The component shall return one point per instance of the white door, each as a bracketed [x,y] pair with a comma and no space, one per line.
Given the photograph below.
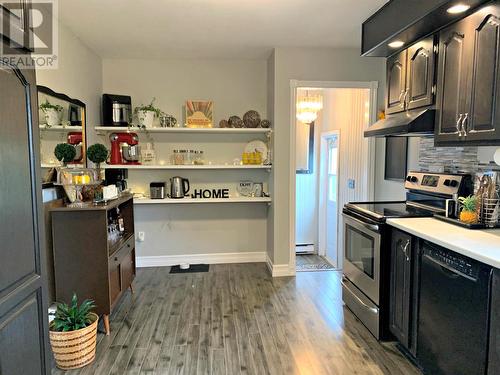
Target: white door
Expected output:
[332,199]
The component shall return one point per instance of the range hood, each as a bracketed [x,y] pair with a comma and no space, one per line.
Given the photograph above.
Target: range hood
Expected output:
[414,123]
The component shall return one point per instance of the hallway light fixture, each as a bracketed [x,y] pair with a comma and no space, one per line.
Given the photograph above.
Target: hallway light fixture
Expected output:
[308,106]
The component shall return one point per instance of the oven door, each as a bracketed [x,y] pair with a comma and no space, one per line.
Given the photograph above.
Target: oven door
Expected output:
[362,255]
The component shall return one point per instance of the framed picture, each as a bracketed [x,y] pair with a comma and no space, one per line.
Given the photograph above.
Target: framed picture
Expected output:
[396,158]
[199,113]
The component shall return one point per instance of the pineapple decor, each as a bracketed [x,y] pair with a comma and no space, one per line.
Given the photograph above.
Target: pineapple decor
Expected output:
[468,213]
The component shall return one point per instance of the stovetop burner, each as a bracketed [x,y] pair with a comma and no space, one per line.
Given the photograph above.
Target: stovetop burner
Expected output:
[383,210]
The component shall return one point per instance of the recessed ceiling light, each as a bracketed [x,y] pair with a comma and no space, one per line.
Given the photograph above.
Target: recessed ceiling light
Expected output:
[458,8]
[396,44]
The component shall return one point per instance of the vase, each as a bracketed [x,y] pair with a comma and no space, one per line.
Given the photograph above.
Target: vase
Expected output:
[52,117]
[146,118]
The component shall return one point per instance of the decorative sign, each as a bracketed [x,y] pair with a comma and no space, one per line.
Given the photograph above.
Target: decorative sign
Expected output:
[210,193]
[199,114]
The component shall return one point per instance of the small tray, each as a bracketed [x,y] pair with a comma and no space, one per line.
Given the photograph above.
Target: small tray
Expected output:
[463,225]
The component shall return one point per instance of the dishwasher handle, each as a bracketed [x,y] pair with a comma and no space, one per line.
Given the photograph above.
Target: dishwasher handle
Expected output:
[450,272]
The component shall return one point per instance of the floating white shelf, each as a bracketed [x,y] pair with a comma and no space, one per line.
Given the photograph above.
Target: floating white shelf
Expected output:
[59,128]
[111,129]
[49,165]
[203,200]
[186,167]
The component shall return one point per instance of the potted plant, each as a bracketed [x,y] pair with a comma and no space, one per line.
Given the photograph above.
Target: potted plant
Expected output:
[146,114]
[65,153]
[97,154]
[51,113]
[73,334]
[468,212]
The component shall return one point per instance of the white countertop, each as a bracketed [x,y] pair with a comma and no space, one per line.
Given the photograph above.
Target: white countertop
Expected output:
[482,245]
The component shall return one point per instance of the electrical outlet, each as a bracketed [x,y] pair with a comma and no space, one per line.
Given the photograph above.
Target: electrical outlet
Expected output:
[351,183]
[141,236]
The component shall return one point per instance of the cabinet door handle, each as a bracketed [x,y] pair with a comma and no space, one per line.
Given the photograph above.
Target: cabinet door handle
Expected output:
[459,120]
[116,259]
[465,121]
[407,97]
[405,250]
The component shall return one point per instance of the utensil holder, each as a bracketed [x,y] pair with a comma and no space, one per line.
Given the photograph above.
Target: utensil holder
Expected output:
[489,214]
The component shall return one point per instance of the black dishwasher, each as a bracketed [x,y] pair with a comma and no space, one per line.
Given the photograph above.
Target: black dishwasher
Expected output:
[453,313]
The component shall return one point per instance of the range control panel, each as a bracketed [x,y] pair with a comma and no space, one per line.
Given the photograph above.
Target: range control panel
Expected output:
[439,183]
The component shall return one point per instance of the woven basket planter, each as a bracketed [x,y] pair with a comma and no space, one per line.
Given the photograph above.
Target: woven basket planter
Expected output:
[74,349]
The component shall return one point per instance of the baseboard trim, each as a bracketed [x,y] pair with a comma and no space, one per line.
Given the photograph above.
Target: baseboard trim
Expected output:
[217,258]
[279,270]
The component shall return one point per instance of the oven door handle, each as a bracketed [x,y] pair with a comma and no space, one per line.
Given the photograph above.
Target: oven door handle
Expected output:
[369,308]
[372,227]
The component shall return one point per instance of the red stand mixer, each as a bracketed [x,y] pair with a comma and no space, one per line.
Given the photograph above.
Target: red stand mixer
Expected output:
[76,140]
[125,148]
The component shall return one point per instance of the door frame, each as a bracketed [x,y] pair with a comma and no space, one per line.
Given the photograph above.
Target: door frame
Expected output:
[294,85]
[323,192]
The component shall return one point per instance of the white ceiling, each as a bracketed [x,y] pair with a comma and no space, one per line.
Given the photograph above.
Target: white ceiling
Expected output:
[246,29]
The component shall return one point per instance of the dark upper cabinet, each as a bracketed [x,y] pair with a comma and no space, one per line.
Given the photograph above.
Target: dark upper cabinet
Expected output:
[452,82]
[410,77]
[420,74]
[400,286]
[396,83]
[468,80]
[483,121]
[15,15]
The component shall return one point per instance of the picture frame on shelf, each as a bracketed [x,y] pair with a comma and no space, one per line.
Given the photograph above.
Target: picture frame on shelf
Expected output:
[199,113]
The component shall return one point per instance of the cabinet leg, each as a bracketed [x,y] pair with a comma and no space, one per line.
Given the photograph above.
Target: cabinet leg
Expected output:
[131,289]
[106,324]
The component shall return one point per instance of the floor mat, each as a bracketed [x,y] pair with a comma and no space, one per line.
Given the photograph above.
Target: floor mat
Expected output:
[309,262]
[192,268]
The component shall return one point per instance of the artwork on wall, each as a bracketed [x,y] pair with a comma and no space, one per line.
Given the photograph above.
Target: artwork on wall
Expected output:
[396,158]
[199,113]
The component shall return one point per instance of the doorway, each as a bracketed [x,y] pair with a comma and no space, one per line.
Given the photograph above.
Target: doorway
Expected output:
[336,167]
[328,195]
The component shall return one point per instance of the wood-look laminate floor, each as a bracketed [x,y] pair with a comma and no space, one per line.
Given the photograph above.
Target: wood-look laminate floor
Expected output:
[236,319]
[312,262]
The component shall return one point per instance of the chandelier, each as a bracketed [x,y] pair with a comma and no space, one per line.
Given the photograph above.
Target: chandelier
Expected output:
[308,106]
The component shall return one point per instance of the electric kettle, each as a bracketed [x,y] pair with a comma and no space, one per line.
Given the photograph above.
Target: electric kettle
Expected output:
[179,187]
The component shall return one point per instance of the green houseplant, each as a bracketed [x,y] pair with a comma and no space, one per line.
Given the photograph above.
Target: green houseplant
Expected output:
[147,113]
[64,152]
[73,334]
[51,113]
[97,154]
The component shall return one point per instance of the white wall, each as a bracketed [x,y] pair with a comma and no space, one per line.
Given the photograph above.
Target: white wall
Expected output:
[235,87]
[79,76]
[306,64]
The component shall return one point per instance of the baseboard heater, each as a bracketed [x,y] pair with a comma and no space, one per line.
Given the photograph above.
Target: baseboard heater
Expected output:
[304,248]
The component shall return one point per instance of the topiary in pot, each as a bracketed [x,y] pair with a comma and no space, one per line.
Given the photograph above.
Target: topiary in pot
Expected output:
[73,334]
[97,154]
[64,152]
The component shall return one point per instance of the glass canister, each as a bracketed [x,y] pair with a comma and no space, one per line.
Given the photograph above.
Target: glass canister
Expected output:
[199,158]
[178,157]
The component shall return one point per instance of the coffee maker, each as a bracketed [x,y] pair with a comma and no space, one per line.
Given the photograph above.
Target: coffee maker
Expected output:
[116,110]
[76,140]
[125,148]
[117,177]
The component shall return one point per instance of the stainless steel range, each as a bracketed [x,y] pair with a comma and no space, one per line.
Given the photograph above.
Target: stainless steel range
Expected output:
[365,282]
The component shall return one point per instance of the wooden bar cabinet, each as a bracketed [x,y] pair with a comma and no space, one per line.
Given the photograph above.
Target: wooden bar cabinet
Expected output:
[86,261]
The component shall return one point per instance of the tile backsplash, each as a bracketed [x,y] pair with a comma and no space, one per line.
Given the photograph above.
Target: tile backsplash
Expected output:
[452,159]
